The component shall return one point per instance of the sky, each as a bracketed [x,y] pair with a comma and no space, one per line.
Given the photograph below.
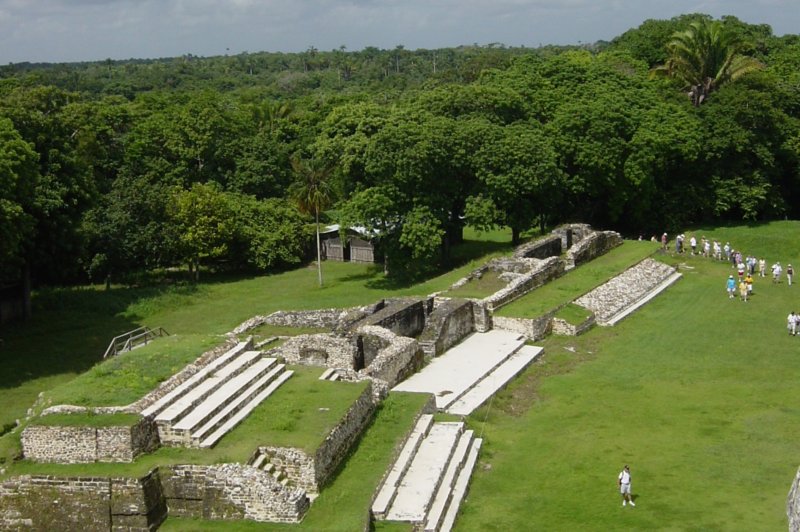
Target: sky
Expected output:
[90,30]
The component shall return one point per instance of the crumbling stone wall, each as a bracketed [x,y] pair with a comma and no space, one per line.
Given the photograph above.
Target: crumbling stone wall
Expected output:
[72,445]
[594,245]
[793,504]
[326,350]
[50,503]
[546,271]
[447,325]
[231,491]
[312,472]
[532,328]
[564,328]
[402,316]
[397,358]
[542,248]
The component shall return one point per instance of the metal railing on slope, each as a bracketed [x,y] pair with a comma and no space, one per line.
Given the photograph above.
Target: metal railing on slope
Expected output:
[133,339]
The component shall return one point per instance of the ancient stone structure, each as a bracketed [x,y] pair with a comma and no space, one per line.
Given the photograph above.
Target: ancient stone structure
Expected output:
[624,290]
[71,445]
[592,246]
[450,321]
[387,356]
[69,503]
[549,246]
[793,504]
[312,471]
[326,350]
[543,272]
[532,328]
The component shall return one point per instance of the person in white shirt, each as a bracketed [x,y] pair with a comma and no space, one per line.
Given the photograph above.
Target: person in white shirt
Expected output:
[624,482]
[791,323]
[777,269]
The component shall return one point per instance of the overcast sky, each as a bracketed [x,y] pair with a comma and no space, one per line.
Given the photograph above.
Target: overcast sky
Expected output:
[87,30]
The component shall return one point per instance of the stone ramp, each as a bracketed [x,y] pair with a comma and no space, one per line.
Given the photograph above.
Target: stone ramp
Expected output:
[623,294]
[209,404]
[469,374]
[426,484]
[493,381]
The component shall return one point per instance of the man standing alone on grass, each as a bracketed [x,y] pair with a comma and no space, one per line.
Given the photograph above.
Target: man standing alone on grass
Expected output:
[624,482]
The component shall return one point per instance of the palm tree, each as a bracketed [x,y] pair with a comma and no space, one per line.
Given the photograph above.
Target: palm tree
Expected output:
[705,57]
[312,192]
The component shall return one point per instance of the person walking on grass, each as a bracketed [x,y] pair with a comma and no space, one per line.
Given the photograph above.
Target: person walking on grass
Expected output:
[730,286]
[624,483]
[776,272]
[791,323]
[743,290]
[789,273]
[762,267]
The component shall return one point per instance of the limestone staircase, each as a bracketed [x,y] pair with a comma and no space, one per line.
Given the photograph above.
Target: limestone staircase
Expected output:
[429,480]
[330,374]
[467,375]
[263,461]
[202,409]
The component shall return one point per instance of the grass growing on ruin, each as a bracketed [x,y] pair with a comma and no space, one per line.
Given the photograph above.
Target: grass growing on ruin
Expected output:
[578,281]
[573,314]
[694,391]
[87,420]
[343,505]
[71,328]
[127,377]
[488,284]
[300,413]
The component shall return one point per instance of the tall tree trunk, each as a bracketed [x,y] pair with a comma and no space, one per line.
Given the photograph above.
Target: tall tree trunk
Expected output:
[319,258]
[515,236]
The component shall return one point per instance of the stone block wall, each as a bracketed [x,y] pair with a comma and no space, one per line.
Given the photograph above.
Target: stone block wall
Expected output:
[594,245]
[73,445]
[549,246]
[532,328]
[447,325]
[565,328]
[397,358]
[793,504]
[326,350]
[230,491]
[546,271]
[312,472]
[482,316]
[404,317]
[72,503]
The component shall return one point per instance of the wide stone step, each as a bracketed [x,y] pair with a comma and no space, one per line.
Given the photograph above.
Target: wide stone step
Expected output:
[389,489]
[460,488]
[192,381]
[421,481]
[227,394]
[494,381]
[448,376]
[445,491]
[207,386]
[243,412]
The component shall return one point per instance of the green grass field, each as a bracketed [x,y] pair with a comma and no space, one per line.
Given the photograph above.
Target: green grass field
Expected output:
[694,391]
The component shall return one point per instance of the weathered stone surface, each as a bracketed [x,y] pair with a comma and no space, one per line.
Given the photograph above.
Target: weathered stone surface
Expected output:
[564,328]
[592,246]
[545,271]
[793,504]
[402,316]
[75,503]
[71,445]
[395,360]
[625,289]
[447,325]
[549,246]
[532,328]
[325,350]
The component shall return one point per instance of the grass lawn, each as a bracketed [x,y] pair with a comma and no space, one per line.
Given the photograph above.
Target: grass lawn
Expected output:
[693,391]
[300,413]
[488,284]
[578,281]
[71,328]
[343,505]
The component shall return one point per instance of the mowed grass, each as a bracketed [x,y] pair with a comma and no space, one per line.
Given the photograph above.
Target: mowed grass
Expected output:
[71,328]
[342,505]
[694,391]
[578,281]
[299,414]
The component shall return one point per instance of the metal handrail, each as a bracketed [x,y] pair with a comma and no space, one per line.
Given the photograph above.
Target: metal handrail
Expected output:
[133,339]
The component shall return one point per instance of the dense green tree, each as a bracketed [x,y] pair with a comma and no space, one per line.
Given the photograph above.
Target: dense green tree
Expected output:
[706,56]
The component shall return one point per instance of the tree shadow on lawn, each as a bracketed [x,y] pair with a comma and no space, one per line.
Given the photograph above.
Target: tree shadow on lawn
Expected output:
[70,330]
